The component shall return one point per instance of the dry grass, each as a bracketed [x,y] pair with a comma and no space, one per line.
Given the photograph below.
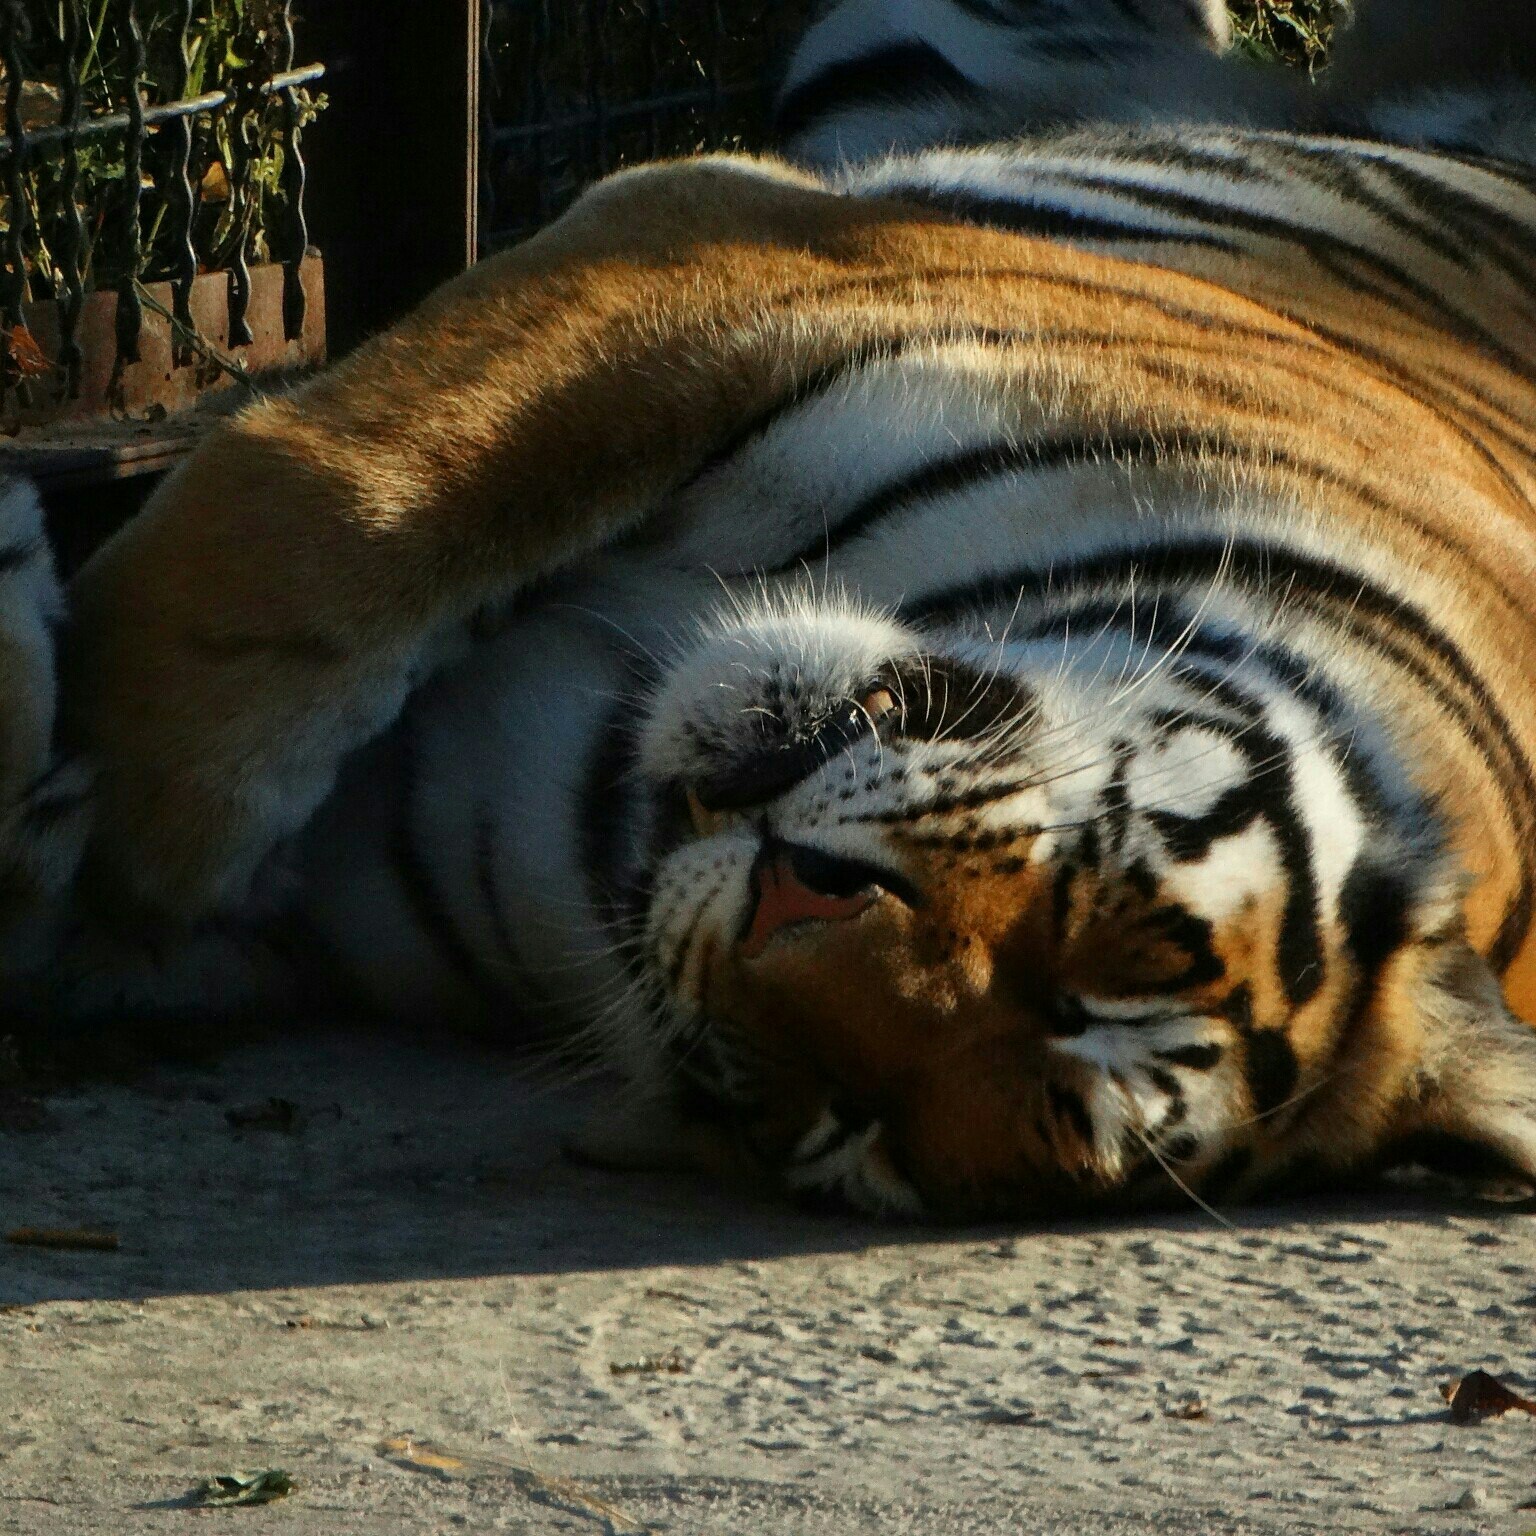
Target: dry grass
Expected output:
[1289,31]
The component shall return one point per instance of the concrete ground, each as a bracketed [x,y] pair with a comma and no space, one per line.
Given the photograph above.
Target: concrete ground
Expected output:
[399,1292]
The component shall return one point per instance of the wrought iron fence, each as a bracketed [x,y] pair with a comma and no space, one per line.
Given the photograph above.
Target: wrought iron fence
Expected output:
[572,91]
[144,142]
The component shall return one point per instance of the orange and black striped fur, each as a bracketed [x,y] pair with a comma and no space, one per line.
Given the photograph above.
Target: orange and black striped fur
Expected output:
[996,674]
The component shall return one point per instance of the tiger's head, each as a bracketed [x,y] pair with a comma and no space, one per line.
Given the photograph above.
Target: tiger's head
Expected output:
[1083,915]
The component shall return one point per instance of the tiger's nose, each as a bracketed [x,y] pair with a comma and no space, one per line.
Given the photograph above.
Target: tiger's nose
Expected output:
[791,885]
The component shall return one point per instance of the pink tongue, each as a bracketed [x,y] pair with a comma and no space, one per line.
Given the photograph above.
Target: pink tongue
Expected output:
[783,899]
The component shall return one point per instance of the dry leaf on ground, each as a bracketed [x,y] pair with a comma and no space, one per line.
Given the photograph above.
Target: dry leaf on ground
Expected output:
[1481,1396]
[246,1487]
[556,1492]
[672,1363]
[27,359]
[419,1456]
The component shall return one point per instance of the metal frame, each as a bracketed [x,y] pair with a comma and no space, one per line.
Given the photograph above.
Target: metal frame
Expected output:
[22,147]
[597,84]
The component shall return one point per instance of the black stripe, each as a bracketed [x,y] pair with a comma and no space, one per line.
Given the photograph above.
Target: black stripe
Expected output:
[1150,151]
[1308,334]
[1270,793]
[487,822]
[1190,838]
[1499,239]
[1330,251]
[1185,931]
[1067,1105]
[1115,798]
[1193,1058]
[61,762]
[1342,175]
[414,875]
[1492,418]
[1083,47]
[608,813]
[1271,1069]
[1124,449]
[1133,14]
[1353,603]
[1168,632]
[40,813]
[963,800]
[1172,1090]
[898,74]
[1048,221]
[968,467]
[987,10]
[14,556]
[819,382]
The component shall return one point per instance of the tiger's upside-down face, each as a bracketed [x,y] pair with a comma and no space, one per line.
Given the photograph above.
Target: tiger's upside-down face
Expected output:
[957,928]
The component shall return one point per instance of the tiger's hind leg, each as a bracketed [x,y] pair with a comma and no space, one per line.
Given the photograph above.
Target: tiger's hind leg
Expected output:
[44,796]
[875,76]
[1457,77]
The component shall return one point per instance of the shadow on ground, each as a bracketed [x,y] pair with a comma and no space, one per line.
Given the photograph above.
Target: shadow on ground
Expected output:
[346,1158]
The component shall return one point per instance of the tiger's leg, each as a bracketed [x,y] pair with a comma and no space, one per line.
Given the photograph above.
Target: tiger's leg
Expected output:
[276,602]
[875,76]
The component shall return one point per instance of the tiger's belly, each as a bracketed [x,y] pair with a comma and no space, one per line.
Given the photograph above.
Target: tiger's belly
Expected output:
[450,872]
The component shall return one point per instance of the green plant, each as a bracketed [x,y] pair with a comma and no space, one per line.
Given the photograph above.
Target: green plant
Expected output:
[1285,31]
[236,154]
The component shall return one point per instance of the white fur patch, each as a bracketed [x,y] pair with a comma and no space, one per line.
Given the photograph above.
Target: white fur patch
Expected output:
[849,1172]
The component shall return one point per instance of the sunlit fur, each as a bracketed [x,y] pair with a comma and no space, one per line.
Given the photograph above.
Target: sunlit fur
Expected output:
[982,678]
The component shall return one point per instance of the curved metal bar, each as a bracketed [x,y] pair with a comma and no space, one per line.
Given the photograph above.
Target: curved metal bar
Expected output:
[489,93]
[113,122]
[181,202]
[244,120]
[71,243]
[291,180]
[130,312]
[13,280]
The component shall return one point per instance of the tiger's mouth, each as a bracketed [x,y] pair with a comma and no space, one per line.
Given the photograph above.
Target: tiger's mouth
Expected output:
[792,884]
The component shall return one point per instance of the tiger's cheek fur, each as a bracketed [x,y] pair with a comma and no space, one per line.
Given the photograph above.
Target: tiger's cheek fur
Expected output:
[945,1025]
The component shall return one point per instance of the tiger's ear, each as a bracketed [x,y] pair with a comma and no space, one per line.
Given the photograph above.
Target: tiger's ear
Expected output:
[1468,1102]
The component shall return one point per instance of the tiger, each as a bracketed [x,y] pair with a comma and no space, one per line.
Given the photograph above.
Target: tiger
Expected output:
[982,666]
